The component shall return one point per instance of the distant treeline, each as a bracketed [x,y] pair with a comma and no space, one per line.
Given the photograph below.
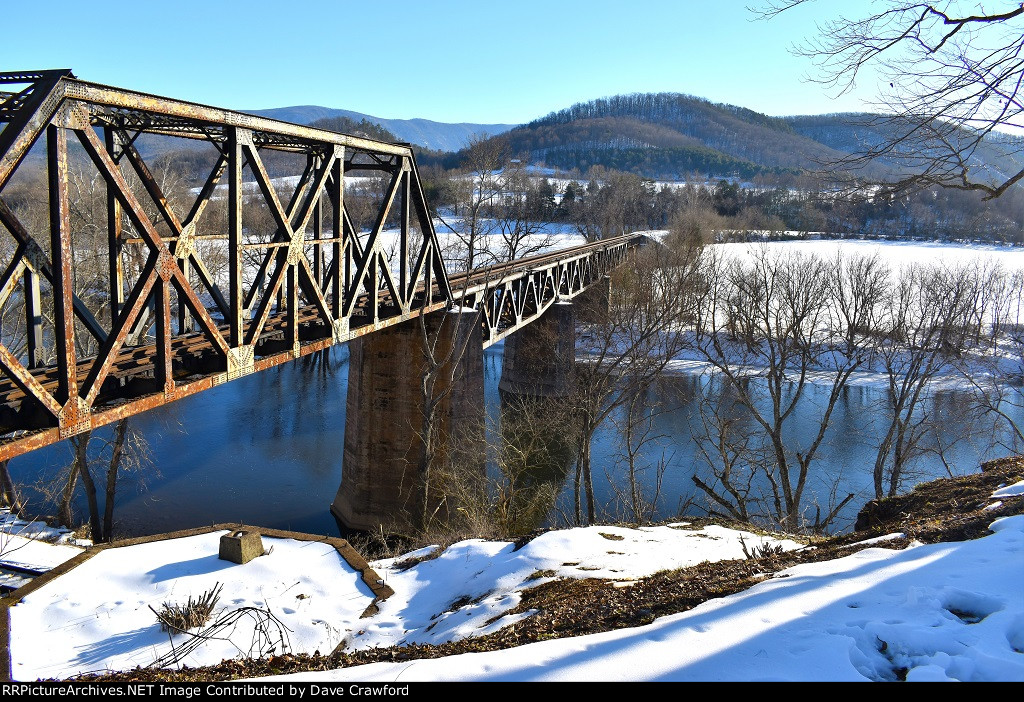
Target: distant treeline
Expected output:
[667,163]
[666,108]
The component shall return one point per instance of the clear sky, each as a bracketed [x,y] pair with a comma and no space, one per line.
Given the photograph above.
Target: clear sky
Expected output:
[446,60]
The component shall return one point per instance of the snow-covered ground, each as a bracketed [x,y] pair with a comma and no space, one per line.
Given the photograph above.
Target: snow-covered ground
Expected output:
[97,616]
[32,547]
[896,253]
[948,611]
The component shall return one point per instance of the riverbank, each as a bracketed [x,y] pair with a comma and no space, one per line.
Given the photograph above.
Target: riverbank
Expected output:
[919,582]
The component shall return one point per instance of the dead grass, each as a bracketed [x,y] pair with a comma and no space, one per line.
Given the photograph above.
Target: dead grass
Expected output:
[191,615]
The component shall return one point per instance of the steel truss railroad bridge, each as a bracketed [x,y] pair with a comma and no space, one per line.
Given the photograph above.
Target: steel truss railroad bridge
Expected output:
[169,323]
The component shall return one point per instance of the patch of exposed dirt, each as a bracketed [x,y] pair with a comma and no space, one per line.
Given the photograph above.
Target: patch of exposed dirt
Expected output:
[949,509]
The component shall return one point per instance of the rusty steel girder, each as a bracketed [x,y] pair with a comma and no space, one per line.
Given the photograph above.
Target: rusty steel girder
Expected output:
[167,324]
[512,295]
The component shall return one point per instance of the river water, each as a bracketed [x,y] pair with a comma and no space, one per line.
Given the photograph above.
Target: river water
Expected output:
[267,450]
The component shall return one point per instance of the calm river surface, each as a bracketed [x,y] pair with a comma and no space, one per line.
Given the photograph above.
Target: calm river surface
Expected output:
[267,450]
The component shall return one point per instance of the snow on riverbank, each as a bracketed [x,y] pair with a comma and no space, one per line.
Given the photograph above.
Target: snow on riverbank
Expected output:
[994,366]
[97,616]
[465,590]
[948,611]
[32,547]
[898,253]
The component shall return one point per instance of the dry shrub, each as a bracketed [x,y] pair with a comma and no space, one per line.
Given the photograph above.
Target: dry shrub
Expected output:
[191,615]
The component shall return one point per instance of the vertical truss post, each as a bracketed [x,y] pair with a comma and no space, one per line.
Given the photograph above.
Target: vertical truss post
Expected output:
[116,275]
[60,251]
[373,280]
[318,232]
[33,318]
[341,256]
[293,308]
[403,285]
[164,372]
[236,302]
[184,316]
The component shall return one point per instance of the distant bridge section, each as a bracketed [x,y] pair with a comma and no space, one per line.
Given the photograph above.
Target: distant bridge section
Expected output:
[160,296]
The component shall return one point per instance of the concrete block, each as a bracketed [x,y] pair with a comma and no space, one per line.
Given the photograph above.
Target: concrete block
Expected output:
[240,546]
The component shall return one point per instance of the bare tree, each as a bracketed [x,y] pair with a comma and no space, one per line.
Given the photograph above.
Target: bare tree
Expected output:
[637,429]
[124,451]
[954,72]
[927,326]
[9,493]
[997,378]
[629,348]
[520,217]
[478,189]
[614,204]
[767,325]
[528,469]
[726,445]
[444,348]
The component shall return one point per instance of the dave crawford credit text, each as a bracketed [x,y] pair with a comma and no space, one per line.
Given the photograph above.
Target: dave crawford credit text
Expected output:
[230,689]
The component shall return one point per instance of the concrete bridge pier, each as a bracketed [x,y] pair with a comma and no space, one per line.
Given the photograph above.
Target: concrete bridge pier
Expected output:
[381,485]
[539,359]
[536,432]
[594,303]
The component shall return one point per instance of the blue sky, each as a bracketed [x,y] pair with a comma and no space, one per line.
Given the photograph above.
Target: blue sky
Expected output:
[446,60]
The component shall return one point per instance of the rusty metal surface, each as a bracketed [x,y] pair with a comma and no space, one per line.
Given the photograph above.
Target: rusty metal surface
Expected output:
[168,325]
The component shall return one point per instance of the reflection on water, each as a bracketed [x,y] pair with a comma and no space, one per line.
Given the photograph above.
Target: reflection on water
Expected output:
[531,461]
[267,449]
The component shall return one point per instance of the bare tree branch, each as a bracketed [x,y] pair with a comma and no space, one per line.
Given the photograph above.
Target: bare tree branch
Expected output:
[954,80]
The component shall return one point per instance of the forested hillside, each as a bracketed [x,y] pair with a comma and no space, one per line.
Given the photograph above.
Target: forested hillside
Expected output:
[672,136]
[999,156]
[668,135]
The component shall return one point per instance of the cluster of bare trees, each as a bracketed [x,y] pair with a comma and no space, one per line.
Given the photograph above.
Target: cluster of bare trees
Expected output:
[778,330]
[489,209]
[773,323]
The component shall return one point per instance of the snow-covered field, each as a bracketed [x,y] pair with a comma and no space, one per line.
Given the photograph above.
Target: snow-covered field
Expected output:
[897,253]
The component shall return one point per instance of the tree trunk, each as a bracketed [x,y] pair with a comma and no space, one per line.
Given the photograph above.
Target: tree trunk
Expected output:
[576,486]
[65,515]
[588,484]
[10,492]
[115,463]
[82,459]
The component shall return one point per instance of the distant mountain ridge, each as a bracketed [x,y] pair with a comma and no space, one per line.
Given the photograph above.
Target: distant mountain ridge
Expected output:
[436,136]
[999,155]
[672,135]
[668,136]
